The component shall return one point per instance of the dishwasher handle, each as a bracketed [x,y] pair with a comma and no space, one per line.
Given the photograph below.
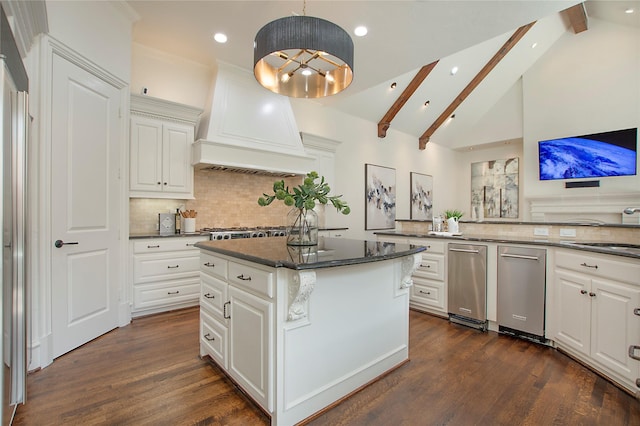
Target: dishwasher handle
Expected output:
[464,250]
[519,256]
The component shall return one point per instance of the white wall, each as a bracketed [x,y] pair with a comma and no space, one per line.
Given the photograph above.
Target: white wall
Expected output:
[98,30]
[169,77]
[587,83]
[360,145]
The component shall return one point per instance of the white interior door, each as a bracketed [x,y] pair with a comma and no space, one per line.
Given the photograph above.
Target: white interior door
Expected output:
[85,202]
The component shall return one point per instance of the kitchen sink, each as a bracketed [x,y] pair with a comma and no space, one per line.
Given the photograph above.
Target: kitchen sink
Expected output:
[629,248]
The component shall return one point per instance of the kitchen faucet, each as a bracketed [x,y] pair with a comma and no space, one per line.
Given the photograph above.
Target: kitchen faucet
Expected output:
[631,210]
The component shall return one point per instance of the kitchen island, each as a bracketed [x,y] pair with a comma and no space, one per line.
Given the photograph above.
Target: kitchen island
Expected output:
[300,328]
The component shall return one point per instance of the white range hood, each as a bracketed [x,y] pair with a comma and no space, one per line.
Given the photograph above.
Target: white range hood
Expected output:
[248,128]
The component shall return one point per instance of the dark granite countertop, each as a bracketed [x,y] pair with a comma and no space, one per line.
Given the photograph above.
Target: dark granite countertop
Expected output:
[330,252]
[523,240]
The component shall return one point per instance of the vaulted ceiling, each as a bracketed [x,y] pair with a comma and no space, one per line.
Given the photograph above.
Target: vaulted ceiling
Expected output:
[413,44]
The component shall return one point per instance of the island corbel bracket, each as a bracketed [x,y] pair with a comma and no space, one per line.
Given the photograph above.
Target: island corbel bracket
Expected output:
[299,292]
[409,265]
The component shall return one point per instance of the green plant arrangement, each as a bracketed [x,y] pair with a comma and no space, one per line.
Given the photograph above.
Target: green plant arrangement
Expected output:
[457,214]
[302,220]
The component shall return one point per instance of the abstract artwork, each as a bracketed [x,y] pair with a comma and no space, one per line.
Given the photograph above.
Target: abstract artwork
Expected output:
[494,189]
[380,197]
[421,197]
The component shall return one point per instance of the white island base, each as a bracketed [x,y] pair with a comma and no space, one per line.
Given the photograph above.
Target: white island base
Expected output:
[301,340]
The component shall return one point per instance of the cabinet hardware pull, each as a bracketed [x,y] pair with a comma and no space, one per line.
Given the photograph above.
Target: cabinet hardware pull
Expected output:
[519,256]
[210,296]
[583,291]
[209,338]
[636,311]
[210,265]
[156,246]
[425,292]
[589,266]
[191,244]
[632,350]
[592,294]
[464,250]
[243,278]
[224,310]
[172,267]
[165,183]
[173,292]
[425,266]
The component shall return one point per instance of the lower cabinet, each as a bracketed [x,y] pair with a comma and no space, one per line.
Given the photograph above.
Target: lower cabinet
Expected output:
[596,313]
[236,322]
[429,290]
[165,274]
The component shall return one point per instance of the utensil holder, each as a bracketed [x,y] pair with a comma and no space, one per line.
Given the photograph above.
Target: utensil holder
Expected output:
[189,225]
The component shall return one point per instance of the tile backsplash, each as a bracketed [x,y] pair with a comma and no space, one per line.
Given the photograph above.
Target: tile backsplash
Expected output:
[223,199]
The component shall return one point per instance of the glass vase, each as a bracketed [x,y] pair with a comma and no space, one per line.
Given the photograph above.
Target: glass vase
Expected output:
[302,227]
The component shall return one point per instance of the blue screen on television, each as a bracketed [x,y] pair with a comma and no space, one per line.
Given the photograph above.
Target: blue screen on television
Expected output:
[598,155]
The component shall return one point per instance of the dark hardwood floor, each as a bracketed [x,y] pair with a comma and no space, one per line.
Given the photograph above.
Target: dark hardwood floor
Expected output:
[149,373]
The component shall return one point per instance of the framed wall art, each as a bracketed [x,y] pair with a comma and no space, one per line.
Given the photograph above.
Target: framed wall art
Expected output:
[380,197]
[494,189]
[421,197]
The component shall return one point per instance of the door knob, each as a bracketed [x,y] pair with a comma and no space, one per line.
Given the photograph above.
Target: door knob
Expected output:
[60,243]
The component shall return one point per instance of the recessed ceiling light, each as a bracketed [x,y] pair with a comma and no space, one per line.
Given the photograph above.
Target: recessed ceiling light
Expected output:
[629,10]
[393,85]
[427,103]
[220,38]
[361,31]
[454,70]
[533,46]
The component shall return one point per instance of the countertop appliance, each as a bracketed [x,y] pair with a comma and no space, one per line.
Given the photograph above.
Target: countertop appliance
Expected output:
[467,285]
[15,125]
[521,291]
[234,233]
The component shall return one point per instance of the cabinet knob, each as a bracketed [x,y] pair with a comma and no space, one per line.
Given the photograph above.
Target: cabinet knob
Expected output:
[592,294]
[159,183]
[165,183]
[583,291]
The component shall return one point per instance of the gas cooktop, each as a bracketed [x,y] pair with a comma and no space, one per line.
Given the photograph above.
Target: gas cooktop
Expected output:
[244,232]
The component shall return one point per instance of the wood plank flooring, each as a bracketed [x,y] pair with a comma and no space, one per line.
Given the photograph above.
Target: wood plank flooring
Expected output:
[149,373]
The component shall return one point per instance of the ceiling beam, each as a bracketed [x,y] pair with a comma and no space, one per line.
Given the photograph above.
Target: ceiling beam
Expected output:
[577,17]
[385,122]
[502,52]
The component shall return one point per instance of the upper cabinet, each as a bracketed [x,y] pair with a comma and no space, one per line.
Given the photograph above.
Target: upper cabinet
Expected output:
[162,133]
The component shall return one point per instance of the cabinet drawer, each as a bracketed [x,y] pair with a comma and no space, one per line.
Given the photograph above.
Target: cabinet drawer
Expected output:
[213,265]
[147,296]
[602,266]
[214,294]
[431,267]
[148,268]
[257,280]
[213,339]
[428,293]
[167,244]
[432,245]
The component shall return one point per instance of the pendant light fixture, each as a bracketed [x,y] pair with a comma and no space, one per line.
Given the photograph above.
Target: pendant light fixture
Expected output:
[303,57]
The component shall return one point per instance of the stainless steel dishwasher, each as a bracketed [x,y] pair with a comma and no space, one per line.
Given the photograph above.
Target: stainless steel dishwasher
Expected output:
[521,291]
[467,285]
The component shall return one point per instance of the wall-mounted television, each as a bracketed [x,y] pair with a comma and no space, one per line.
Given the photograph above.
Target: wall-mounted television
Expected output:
[597,155]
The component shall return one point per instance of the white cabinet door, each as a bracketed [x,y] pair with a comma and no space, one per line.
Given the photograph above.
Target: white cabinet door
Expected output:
[614,326]
[146,155]
[176,157]
[250,345]
[573,310]
[160,158]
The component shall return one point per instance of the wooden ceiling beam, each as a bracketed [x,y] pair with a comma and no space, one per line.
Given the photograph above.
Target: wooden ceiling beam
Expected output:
[385,122]
[502,52]
[577,17]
